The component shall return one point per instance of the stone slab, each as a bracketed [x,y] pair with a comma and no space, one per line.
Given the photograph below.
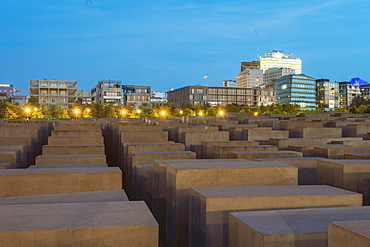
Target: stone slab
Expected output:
[209,206]
[358,143]
[353,175]
[23,151]
[180,177]
[147,158]
[77,197]
[11,156]
[84,132]
[70,159]
[72,149]
[307,167]
[78,224]
[264,154]
[349,233]
[312,132]
[159,186]
[309,150]
[5,165]
[75,140]
[223,151]
[263,134]
[363,156]
[68,166]
[27,182]
[297,227]
[196,138]
[207,146]
[338,152]
[284,143]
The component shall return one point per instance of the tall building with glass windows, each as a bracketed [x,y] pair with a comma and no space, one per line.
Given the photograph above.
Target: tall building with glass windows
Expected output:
[250,77]
[280,59]
[327,94]
[296,89]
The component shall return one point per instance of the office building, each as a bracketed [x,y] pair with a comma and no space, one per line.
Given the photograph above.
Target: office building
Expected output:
[272,74]
[246,65]
[221,95]
[296,89]
[327,94]
[229,83]
[280,59]
[107,92]
[54,92]
[137,95]
[250,77]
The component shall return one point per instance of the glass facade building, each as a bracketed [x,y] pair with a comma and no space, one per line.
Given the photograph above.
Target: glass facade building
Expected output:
[280,59]
[296,89]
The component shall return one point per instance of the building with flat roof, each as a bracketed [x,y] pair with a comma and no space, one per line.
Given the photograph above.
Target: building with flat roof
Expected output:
[347,92]
[250,77]
[107,92]
[221,95]
[246,65]
[8,90]
[137,95]
[296,89]
[84,96]
[229,83]
[53,92]
[327,94]
[280,59]
[272,74]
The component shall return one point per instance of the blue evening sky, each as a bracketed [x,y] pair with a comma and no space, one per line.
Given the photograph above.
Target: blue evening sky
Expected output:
[171,43]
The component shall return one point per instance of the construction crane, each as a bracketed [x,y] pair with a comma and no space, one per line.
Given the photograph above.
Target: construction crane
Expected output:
[20,90]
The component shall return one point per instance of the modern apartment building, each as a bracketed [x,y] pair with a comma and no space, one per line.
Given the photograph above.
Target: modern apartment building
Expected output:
[296,89]
[8,90]
[158,97]
[84,97]
[136,94]
[280,59]
[221,95]
[347,91]
[327,94]
[107,92]
[54,92]
[250,77]
[272,74]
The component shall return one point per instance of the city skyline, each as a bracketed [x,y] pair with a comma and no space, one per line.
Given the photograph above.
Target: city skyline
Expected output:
[170,44]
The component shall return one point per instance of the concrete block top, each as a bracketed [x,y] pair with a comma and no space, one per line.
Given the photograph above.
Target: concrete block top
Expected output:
[341,147]
[241,146]
[262,191]
[33,217]
[77,197]
[58,171]
[71,155]
[67,166]
[156,144]
[354,166]
[82,145]
[294,158]
[201,160]
[361,227]
[164,152]
[265,152]
[229,164]
[300,220]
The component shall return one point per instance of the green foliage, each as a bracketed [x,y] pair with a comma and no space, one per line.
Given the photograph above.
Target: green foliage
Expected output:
[359,105]
[12,111]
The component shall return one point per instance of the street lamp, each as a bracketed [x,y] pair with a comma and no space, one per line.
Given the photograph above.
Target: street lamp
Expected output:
[255,114]
[76,113]
[28,113]
[163,113]
[123,113]
[221,113]
[181,112]
[200,113]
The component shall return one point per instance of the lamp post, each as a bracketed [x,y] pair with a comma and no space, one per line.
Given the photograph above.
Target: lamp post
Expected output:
[76,112]
[28,113]
[123,113]
[163,113]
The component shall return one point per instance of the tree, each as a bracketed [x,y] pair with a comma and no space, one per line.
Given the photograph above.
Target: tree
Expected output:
[356,102]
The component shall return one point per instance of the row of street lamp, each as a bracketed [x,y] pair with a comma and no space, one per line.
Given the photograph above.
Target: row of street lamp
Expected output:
[123,112]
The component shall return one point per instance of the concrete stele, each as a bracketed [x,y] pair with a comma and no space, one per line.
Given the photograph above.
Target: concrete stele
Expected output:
[209,206]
